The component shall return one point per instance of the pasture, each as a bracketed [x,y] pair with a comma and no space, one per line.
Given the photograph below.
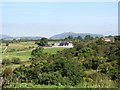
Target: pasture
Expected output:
[53,50]
[23,50]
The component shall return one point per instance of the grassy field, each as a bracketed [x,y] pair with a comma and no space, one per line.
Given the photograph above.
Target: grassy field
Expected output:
[18,50]
[23,55]
[31,43]
[17,46]
[52,50]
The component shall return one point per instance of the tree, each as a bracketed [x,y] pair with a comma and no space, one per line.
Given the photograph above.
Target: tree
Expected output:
[88,37]
[6,61]
[117,38]
[99,41]
[14,40]
[16,60]
[71,69]
[70,37]
[7,44]
[79,38]
[68,53]
[86,52]
[38,53]
[43,42]
[78,45]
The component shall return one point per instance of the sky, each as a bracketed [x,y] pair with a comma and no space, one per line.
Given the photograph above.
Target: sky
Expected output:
[50,18]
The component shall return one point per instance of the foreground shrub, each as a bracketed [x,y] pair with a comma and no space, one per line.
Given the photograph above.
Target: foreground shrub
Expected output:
[72,70]
[53,78]
[6,61]
[16,60]
[100,80]
[7,75]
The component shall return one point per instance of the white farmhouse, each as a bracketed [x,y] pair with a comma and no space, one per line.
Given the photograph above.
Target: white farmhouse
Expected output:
[63,44]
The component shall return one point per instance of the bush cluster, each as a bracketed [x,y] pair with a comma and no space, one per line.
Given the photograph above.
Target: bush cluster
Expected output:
[14,60]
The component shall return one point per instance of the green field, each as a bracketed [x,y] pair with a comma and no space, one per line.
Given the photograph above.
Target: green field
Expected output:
[31,43]
[17,50]
[25,55]
[18,46]
[52,50]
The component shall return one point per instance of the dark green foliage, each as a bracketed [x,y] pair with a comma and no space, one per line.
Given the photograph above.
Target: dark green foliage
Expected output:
[70,69]
[22,74]
[92,45]
[100,41]
[70,37]
[74,71]
[7,75]
[80,38]
[101,80]
[110,69]
[16,60]
[88,37]
[68,53]
[38,57]
[7,44]
[6,61]
[86,52]
[38,53]
[53,78]
[78,45]
[43,42]
[98,61]
[117,38]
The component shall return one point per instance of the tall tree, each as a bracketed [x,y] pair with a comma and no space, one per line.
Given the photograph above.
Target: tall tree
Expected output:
[70,37]
[88,37]
[43,42]
[79,38]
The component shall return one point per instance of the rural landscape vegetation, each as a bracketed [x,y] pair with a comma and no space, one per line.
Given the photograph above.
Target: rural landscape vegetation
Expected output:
[91,63]
[59,44]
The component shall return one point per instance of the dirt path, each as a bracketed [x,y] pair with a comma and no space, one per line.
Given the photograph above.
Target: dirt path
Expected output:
[5,49]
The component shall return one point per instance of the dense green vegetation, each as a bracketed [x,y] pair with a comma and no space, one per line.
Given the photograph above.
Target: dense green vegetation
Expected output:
[43,42]
[92,63]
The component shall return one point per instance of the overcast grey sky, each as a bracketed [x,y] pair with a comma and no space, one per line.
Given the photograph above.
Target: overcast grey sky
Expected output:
[50,18]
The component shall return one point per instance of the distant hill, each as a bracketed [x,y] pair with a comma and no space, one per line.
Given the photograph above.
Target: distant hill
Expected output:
[57,36]
[66,34]
[29,37]
[5,37]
